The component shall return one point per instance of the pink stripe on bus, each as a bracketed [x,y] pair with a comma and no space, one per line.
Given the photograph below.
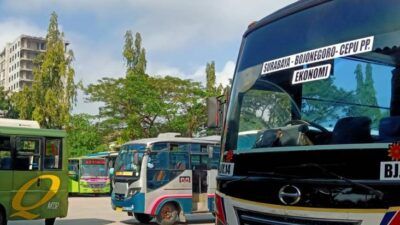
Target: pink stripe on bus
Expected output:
[152,209]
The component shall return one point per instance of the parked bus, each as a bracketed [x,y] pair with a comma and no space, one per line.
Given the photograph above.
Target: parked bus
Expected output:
[166,177]
[88,175]
[110,157]
[317,89]
[33,171]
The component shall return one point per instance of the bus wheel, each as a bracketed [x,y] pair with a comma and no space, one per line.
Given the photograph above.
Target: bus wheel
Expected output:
[143,218]
[49,221]
[3,219]
[168,214]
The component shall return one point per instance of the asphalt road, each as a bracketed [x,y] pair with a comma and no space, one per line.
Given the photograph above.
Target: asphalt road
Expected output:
[97,211]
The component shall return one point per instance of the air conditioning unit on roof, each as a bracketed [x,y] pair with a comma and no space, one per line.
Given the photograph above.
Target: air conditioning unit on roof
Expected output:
[19,123]
[168,135]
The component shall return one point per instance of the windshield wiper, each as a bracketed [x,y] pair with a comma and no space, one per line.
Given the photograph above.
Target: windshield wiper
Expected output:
[267,174]
[372,190]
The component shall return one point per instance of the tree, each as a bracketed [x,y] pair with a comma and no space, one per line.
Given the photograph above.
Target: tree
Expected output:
[210,78]
[23,103]
[83,135]
[140,105]
[134,54]
[370,99]
[53,91]
[6,107]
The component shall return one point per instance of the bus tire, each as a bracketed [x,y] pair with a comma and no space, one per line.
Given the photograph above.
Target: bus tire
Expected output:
[3,218]
[49,221]
[143,218]
[168,214]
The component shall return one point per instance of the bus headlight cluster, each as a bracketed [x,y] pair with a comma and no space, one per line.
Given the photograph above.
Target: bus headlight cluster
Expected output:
[132,192]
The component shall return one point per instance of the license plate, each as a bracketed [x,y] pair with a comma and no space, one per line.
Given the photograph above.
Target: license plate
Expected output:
[118,209]
[390,170]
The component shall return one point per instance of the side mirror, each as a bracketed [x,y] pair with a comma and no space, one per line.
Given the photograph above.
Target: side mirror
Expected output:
[213,115]
[111,172]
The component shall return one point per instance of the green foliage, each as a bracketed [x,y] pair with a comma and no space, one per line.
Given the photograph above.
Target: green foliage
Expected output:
[261,109]
[134,54]
[211,85]
[139,105]
[325,90]
[366,95]
[23,101]
[339,102]
[53,91]
[6,106]
[83,136]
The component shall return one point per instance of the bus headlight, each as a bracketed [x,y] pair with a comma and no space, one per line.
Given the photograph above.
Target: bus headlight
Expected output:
[132,192]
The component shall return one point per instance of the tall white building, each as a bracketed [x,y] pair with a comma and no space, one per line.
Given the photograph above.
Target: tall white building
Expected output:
[16,62]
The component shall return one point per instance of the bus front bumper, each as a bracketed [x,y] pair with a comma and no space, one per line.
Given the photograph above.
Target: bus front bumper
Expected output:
[240,211]
[120,203]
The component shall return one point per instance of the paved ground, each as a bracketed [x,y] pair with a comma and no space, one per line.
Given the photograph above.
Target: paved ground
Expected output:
[97,211]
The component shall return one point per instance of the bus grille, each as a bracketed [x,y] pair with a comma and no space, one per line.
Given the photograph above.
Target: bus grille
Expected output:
[255,218]
[119,197]
[97,185]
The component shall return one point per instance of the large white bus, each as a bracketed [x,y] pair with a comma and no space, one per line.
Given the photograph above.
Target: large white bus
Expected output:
[312,131]
[166,177]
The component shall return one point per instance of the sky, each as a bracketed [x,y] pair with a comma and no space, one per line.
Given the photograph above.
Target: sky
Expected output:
[179,36]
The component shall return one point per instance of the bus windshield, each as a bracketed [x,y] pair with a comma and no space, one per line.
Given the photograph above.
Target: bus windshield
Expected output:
[357,93]
[93,168]
[93,171]
[129,160]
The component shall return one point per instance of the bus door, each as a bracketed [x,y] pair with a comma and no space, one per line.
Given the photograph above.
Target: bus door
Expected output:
[51,183]
[26,181]
[6,173]
[199,164]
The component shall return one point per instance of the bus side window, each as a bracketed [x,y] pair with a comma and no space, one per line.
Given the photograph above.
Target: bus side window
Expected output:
[52,155]
[159,146]
[213,163]
[158,175]
[179,160]
[28,153]
[5,153]
[195,148]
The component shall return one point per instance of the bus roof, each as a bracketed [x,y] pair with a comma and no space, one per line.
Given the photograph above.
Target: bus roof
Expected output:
[283,12]
[5,130]
[203,140]
[19,123]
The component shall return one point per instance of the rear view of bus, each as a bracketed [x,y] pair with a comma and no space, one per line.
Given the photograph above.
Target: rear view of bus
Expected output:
[166,177]
[88,175]
[317,84]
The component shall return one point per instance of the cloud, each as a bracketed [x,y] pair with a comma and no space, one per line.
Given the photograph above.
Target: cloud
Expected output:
[179,35]
[166,25]
[198,74]
[223,77]
[12,28]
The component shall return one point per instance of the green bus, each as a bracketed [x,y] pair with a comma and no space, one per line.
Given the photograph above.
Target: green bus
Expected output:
[33,171]
[88,175]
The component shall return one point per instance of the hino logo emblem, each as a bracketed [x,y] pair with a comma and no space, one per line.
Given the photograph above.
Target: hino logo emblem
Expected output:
[289,195]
